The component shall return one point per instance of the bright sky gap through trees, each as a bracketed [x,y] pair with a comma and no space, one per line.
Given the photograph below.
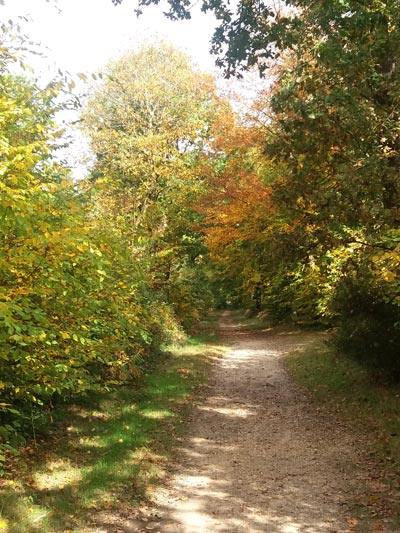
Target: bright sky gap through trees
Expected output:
[83,36]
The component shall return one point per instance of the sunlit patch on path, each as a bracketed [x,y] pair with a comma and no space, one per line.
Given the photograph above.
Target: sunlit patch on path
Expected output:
[258,457]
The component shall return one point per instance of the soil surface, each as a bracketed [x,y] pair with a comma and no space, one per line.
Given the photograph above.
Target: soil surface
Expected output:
[258,457]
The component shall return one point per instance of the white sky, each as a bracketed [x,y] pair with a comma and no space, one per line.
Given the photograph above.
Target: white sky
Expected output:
[82,35]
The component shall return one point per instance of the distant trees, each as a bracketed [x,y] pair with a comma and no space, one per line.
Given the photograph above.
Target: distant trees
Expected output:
[150,125]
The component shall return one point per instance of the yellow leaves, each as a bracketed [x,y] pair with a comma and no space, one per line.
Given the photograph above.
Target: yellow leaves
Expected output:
[74,302]
[95,251]
[145,137]
[388,275]
[81,247]
[387,265]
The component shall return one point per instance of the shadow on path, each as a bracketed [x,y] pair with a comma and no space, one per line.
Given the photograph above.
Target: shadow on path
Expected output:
[258,457]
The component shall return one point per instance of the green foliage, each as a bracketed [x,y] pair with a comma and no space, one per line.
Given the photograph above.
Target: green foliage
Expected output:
[369,317]
[94,275]
[76,312]
[297,213]
[321,235]
[333,108]
[60,308]
[149,123]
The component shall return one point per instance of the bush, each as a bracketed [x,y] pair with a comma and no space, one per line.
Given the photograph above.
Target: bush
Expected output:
[295,296]
[369,319]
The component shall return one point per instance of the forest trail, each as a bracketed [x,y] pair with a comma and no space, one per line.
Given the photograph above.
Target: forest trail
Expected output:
[258,456]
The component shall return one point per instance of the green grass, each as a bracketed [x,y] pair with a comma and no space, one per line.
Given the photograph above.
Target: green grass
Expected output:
[372,408]
[108,453]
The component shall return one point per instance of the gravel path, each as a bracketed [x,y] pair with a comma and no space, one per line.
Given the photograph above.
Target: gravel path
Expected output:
[258,457]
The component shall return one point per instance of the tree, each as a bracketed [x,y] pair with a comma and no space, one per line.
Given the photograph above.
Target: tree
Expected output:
[75,313]
[236,207]
[332,113]
[253,32]
[58,313]
[149,125]
[333,136]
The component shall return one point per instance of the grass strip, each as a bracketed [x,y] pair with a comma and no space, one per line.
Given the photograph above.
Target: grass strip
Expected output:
[108,453]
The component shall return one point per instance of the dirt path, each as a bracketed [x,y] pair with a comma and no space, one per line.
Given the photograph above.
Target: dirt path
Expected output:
[258,457]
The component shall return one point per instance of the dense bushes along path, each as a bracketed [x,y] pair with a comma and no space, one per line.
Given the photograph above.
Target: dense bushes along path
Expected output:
[259,457]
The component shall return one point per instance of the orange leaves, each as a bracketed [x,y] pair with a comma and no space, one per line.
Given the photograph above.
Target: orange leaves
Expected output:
[236,210]
[237,204]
